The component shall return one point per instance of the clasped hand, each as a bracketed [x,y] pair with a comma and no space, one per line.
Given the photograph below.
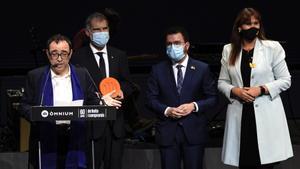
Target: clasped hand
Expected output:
[246,94]
[180,111]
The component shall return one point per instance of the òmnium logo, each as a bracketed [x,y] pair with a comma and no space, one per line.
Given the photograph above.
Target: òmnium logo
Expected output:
[44,113]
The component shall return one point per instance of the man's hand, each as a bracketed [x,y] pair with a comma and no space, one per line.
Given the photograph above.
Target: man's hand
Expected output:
[186,108]
[174,112]
[110,101]
[120,96]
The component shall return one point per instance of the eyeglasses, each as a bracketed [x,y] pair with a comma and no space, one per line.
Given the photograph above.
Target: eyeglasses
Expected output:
[55,55]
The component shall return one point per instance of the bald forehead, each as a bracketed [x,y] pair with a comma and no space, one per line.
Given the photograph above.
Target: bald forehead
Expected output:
[59,46]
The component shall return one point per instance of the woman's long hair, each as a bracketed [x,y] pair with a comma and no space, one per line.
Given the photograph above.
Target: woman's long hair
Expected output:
[236,40]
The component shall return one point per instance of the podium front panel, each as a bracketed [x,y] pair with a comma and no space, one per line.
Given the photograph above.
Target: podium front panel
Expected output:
[91,112]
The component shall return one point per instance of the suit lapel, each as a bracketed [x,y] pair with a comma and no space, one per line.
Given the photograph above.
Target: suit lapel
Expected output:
[189,73]
[111,62]
[257,57]
[171,77]
[238,69]
[92,64]
[91,60]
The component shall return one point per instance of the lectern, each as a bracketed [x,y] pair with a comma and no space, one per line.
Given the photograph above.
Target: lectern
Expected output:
[88,112]
[92,112]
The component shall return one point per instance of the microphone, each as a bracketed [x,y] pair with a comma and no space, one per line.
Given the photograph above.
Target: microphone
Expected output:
[44,86]
[99,95]
[54,65]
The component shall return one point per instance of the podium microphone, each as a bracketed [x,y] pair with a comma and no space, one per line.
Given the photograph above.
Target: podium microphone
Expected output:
[44,85]
[93,82]
[54,65]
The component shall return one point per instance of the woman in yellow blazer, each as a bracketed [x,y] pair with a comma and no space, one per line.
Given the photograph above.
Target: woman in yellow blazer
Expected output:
[252,75]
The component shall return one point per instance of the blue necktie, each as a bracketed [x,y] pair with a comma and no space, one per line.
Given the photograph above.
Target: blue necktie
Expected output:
[101,64]
[179,78]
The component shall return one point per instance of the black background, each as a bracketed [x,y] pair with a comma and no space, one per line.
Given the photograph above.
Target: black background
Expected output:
[140,32]
[142,24]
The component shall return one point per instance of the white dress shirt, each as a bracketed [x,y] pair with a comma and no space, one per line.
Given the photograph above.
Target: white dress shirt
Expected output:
[62,91]
[105,57]
[183,68]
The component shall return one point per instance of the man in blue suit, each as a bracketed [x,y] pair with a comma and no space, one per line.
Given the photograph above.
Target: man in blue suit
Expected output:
[179,91]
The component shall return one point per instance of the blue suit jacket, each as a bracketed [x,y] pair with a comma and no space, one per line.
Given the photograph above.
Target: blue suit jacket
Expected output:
[45,131]
[198,86]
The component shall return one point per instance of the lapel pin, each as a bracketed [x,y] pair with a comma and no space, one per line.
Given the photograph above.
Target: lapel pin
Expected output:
[252,65]
[193,67]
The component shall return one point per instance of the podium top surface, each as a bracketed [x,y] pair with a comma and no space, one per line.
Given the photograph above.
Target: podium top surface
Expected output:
[87,112]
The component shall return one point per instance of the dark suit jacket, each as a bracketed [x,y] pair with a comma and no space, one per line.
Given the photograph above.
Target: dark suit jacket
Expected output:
[32,97]
[118,68]
[198,86]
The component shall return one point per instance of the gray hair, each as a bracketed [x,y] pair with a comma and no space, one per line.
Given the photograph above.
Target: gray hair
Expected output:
[95,15]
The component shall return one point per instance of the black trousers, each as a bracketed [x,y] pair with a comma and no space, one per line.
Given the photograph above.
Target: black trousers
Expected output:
[265,166]
[108,151]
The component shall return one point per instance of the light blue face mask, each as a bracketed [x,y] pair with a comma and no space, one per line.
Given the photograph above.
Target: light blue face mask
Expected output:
[100,39]
[175,52]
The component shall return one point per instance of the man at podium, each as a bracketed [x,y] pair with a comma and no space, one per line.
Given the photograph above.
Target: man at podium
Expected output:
[59,144]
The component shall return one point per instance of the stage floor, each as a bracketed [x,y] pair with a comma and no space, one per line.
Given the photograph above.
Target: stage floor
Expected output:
[149,158]
[141,155]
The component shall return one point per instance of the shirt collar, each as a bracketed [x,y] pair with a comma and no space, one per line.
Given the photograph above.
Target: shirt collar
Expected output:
[94,50]
[54,75]
[183,63]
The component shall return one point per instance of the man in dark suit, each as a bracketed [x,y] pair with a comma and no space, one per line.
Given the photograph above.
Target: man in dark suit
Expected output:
[62,143]
[179,91]
[105,61]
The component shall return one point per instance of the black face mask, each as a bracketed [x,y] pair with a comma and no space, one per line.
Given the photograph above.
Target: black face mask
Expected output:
[249,34]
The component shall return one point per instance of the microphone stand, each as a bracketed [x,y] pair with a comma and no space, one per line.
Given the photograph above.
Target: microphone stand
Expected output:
[40,154]
[41,104]
[92,122]
[92,130]
[93,145]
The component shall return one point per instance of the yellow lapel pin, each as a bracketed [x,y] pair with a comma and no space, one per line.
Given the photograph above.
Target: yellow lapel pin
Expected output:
[252,65]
